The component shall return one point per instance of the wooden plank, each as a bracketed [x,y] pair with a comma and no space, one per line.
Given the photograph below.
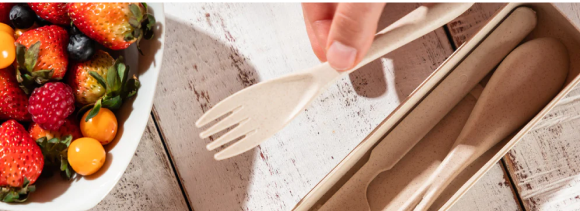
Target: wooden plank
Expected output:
[214,50]
[545,164]
[494,191]
[149,182]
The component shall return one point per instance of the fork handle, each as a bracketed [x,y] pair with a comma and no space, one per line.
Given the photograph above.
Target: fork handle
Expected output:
[419,22]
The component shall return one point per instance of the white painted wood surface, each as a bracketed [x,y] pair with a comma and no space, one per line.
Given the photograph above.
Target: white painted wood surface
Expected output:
[213,50]
[492,192]
[545,164]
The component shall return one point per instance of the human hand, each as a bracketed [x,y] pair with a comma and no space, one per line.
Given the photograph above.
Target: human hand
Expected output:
[341,33]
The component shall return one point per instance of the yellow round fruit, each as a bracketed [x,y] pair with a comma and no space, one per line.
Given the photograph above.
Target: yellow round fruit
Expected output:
[7,50]
[6,28]
[86,156]
[102,126]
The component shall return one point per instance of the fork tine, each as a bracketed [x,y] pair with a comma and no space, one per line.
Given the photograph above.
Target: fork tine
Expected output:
[250,141]
[243,128]
[229,121]
[220,109]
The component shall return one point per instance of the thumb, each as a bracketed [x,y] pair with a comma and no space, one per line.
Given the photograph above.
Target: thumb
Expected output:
[351,34]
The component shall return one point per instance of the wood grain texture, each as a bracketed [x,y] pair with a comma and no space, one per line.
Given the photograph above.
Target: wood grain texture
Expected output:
[545,164]
[213,50]
[149,182]
[494,191]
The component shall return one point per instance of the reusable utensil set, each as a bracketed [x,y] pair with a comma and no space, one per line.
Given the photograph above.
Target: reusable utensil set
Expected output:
[525,81]
[427,114]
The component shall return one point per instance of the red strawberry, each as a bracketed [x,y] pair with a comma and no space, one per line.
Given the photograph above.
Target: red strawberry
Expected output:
[13,101]
[114,25]
[21,162]
[51,104]
[4,12]
[53,12]
[45,49]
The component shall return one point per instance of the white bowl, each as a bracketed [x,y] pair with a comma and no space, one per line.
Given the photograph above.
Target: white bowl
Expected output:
[86,192]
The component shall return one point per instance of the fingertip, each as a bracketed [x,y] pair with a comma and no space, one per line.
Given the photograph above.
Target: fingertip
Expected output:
[341,57]
[351,34]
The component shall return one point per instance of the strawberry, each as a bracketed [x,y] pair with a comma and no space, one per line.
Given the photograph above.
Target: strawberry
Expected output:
[101,81]
[86,88]
[114,25]
[54,145]
[13,101]
[4,12]
[55,13]
[69,127]
[41,56]
[21,162]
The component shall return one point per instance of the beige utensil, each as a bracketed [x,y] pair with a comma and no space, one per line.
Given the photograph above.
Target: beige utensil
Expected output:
[352,195]
[263,109]
[527,79]
[391,190]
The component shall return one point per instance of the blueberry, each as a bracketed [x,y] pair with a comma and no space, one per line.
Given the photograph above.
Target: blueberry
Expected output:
[80,47]
[74,30]
[41,21]
[22,17]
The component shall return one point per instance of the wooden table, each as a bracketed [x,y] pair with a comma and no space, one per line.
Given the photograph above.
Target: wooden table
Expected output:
[214,50]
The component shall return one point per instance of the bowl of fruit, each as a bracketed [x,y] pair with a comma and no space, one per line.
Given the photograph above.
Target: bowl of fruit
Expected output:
[77,82]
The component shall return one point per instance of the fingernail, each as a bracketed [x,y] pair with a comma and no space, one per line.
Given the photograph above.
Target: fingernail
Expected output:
[340,56]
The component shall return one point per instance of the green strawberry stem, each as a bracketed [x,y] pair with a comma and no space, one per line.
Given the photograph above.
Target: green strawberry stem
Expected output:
[17,194]
[25,74]
[55,155]
[143,24]
[118,87]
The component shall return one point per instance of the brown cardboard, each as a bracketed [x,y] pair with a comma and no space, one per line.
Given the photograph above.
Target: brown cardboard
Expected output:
[551,23]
